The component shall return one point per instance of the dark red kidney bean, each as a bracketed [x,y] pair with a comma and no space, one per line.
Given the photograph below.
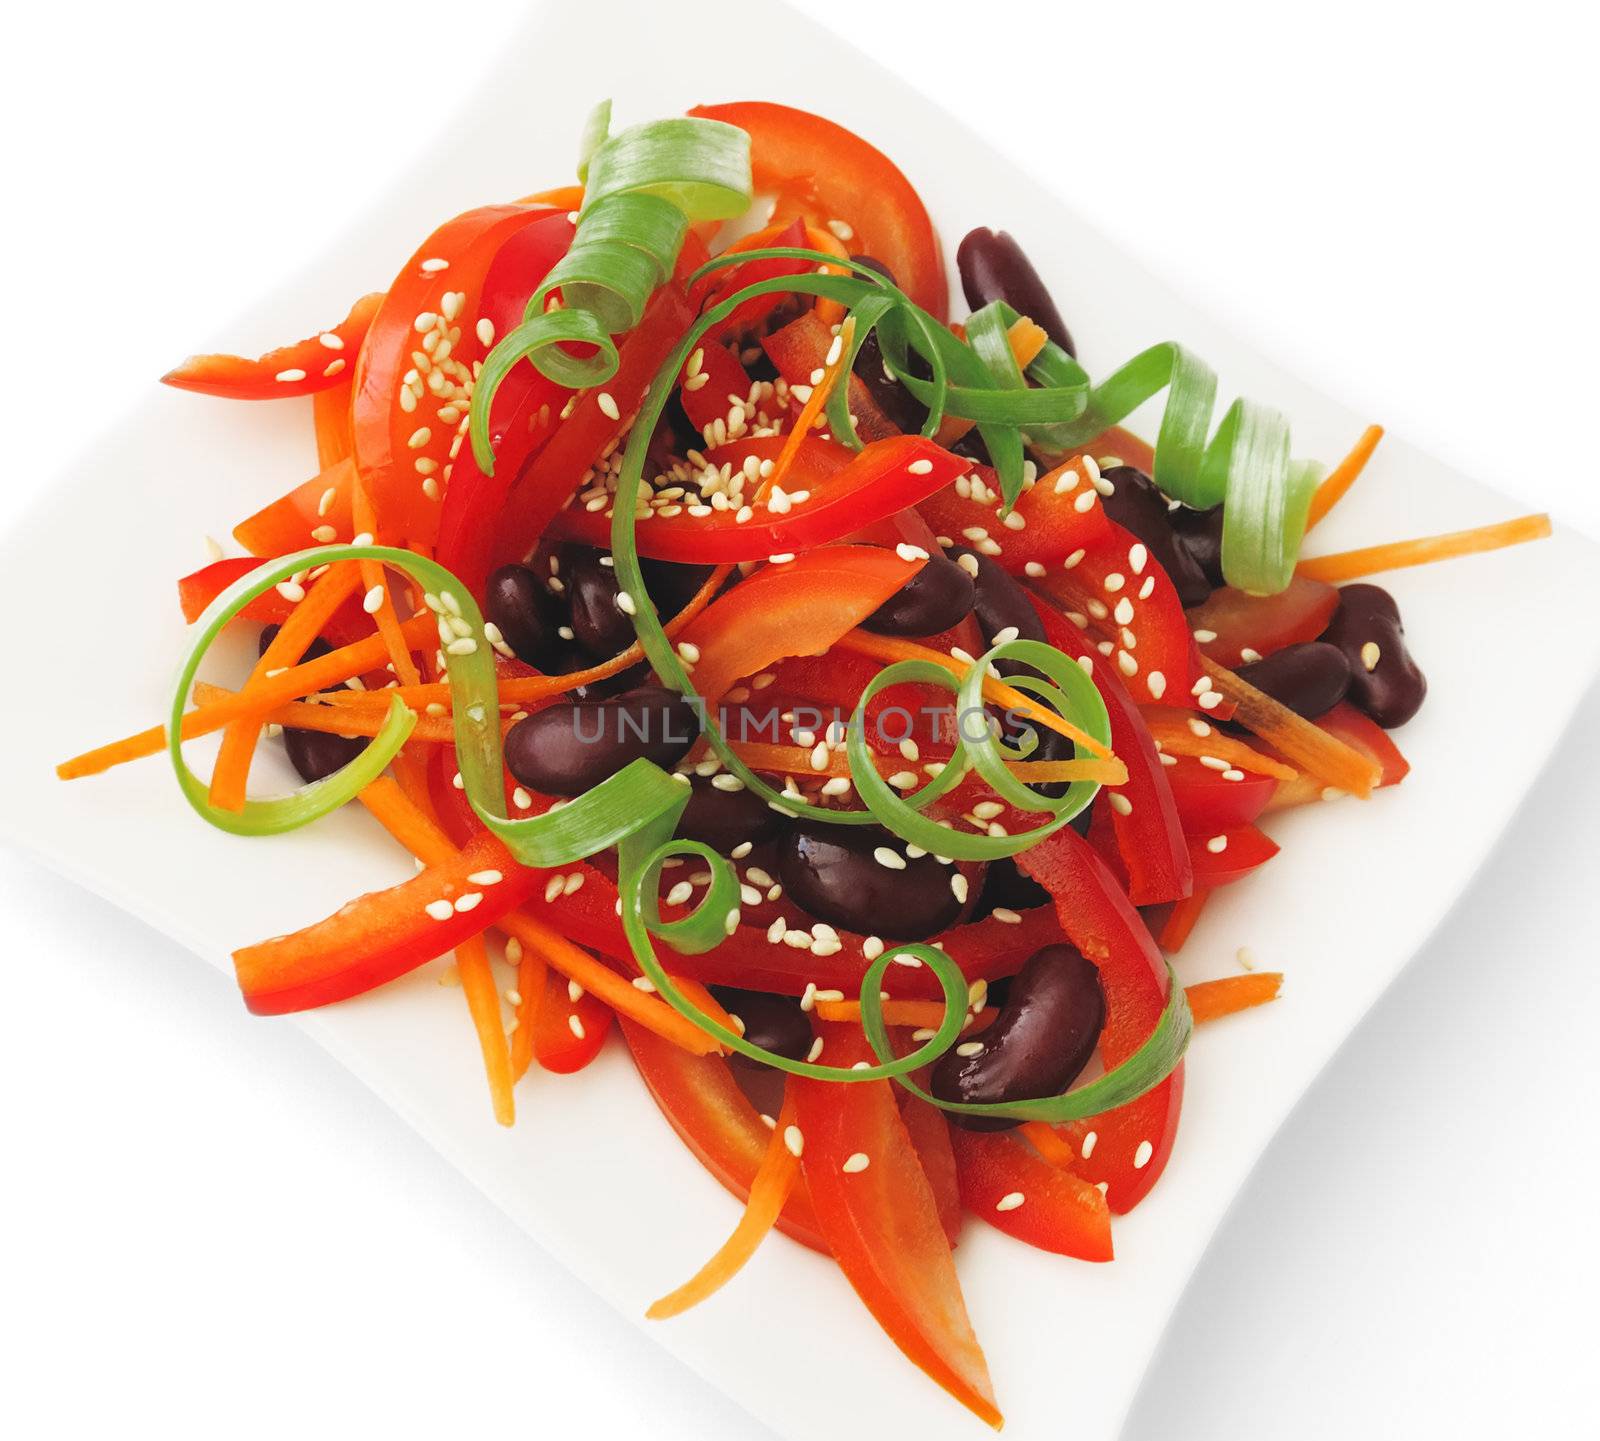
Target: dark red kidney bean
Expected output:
[1385,681]
[591,586]
[998,600]
[570,747]
[1200,534]
[775,1023]
[1038,1044]
[1310,678]
[724,819]
[1141,509]
[838,875]
[934,599]
[315,754]
[900,407]
[993,267]
[526,615]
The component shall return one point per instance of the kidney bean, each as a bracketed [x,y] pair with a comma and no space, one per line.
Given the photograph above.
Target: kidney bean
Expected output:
[591,585]
[934,599]
[1200,534]
[1385,681]
[999,601]
[993,267]
[517,603]
[1038,1044]
[1140,508]
[723,819]
[315,754]
[839,875]
[1310,678]
[775,1023]
[570,747]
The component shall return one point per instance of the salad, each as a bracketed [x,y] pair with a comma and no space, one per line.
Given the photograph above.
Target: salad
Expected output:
[828,693]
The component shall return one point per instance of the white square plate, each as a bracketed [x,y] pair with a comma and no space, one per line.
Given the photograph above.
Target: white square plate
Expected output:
[186,466]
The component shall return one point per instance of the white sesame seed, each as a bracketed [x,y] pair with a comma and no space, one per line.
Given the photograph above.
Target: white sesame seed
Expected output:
[888,858]
[970,1048]
[1138,554]
[1006,916]
[433,266]
[920,467]
[1157,684]
[1211,700]
[288,377]
[1010,1201]
[440,910]
[645,984]
[910,552]
[372,602]
[1205,637]
[958,886]
[1233,774]
[291,591]
[1071,562]
[608,406]
[855,1162]
[575,1025]
[872,948]
[1088,1144]
[1120,803]
[680,893]
[1249,655]
[324,534]
[1141,1157]
[1127,664]
[815,1052]
[332,341]
[1217,845]
[462,645]
[843,231]
[469,901]
[793,1140]
[1370,655]
[625,603]
[1215,763]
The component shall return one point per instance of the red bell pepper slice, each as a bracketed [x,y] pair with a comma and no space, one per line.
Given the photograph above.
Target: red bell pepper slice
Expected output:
[568,1031]
[303,368]
[412,382]
[1362,733]
[1229,855]
[315,512]
[930,1137]
[720,284]
[1232,621]
[880,481]
[548,481]
[1148,834]
[801,347]
[706,401]
[1053,526]
[882,1223]
[1057,1211]
[384,934]
[1208,802]
[828,174]
[1131,1144]
[196,591]
[704,1105]
[1129,603]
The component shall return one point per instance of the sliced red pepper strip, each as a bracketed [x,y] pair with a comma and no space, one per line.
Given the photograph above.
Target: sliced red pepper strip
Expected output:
[801,348]
[330,413]
[1358,731]
[706,401]
[882,1223]
[828,174]
[307,366]
[412,381]
[1122,592]
[704,1105]
[568,1032]
[197,590]
[1005,1184]
[930,1137]
[1056,522]
[1148,834]
[297,519]
[1233,621]
[878,482]
[1208,802]
[383,934]
[548,481]
[720,284]
[1229,855]
[1131,1144]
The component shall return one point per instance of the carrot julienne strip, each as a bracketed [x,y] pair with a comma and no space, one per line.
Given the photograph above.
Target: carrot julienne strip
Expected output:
[1027,339]
[1048,1143]
[769,1191]
[810,412]
[1339,480]
[1399,554]
[372,578]
[1177,738]
[532,970]
[1305,743]
[1181,920]
[1209,1000]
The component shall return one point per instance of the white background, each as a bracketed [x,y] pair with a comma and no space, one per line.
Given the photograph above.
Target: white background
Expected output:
[209,1227]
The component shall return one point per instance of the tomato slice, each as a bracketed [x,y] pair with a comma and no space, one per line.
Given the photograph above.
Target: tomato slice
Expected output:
[831,176]
[882,1222]
[319,362]
[1233,621]
[1007,1185]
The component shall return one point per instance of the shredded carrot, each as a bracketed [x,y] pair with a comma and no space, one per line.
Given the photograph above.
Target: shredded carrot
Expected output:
[1177,737]
[1027,340]
[365,519]
[563,197]
[769,1191]
[1181,920]
[483,1001]
[532,972]
[305,679]
[810,412]
[1338,480]
[1306,744]
[231,773]
[829,312]
[410,824]
[339,720]
[1397,555]
[892,648]
[1210,999]
[924,1015]
[1047,1141]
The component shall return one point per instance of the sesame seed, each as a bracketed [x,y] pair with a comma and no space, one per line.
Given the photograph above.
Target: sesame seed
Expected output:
[608,406]
[1010,1201]
[855,1162]
[625,603]
[440,910]
[889,859]
[645,984]
[1138,554]
[1211,700]
[332,341]
[815,1051]
[1085,502]
[920,467]
[1006,916]
[552,889]
[323,534]
[462,645]
[909,751]
[793,1140]
[288,377]
[970,1048]
[1088,1144]
[291,591]
[915,552]
[843,231]
[1141,1157]
[958,886]
[1370,655]
[1127,664]
[1120,803]
[433,266]
[1034,569]
[1249,655]
[1205,637]
[333,367]
[575,1025]
[872,948]
[469,901]
[1232,774]
[1217,845]
[1246,958]
[679,893]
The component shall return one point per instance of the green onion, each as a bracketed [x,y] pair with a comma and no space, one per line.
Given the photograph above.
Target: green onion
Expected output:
[643,187]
